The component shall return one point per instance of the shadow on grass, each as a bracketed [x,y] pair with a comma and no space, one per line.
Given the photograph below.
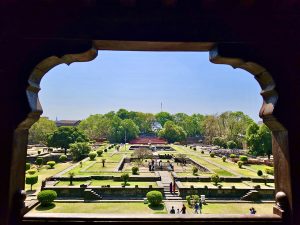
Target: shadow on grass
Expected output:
[157,207]
[45,208]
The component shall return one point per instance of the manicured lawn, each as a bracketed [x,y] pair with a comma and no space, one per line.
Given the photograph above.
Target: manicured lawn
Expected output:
[116,183]
[235,208]
[99,167]
[46,172]
[211,185]
[75,183]
[107,208]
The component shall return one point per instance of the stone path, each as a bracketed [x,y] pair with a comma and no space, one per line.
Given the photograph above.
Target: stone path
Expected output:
[166,179]
[176,204]
[69,168]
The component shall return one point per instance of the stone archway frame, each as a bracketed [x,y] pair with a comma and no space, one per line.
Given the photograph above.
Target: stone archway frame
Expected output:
[263,77]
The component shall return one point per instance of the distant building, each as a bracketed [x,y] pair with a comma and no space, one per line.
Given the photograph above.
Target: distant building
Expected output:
[149,140]
[68,123]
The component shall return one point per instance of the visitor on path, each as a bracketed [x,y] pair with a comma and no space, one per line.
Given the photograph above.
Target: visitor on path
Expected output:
[200,206]
[174,188]
[171,187]
[178,211]
[172,211]
[197,207]
[149,165]
[252,211]
[183,209]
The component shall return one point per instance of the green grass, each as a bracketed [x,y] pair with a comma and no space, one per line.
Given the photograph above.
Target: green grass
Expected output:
[75,183]
[99,167]
[116,183]
[258,167]
[46,172]
[100,208]
[235,208]
[211,185]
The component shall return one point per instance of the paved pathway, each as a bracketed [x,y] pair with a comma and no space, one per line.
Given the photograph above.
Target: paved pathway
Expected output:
[176,204]
[166,179]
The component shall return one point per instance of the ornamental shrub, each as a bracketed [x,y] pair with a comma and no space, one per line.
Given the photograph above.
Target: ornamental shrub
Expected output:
[51,164]
[39,161]
[269,170]
[63,158]
[31,172]
[244,158]
[202,152]
[212,154]
[231,145]
[194,148]
[46,197]
[232,156]
[240,164]
[195,170]
[259,173]
[135,170]
[31,179]
[99,152]
[27,166]
[125,178]
[224,158]
[105,150]
[39,152]
[215,179]
[154,197]
[92,155]
[188,199]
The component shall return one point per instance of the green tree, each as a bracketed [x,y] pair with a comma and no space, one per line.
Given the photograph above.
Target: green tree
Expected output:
[64,136]
[266,139]
[231,144]
[123,114]
[31,179]
[163,117]
[39,132]
[79,150]
[172,132]
[125,178]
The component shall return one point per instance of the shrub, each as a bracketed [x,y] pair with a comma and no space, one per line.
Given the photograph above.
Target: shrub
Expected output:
[51,164]
[231,145]
[195,170]
[31,179]
[259,173]
[202,152]
[269,170]
[244,158]
[154,197]
[240,164]
[63,158]
[92,155]
[212,154]
[188,199]
[224,158]
[39,161]
[232,156]
[105,150]
[125,178]
[194,148]
[219,142]
[99,152]
[71,177]
[135,170]
[39,152]
[215,179]
[46,197]
[31,172]
[27,166]
[79,150]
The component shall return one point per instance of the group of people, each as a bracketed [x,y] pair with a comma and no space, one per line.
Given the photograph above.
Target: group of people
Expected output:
[252,210]
[154,164]
[182,211]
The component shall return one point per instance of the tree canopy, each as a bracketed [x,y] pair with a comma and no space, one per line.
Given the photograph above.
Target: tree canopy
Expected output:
[172,132]
[39,132]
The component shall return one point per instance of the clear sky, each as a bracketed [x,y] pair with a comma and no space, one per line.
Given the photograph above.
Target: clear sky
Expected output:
[183,81]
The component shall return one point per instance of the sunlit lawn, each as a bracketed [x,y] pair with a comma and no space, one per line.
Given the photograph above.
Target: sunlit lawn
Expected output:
[45,172]
[211,185]
[101,208]
[235,208]
[107,182]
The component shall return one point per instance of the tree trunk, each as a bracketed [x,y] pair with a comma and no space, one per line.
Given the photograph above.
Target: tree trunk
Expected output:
[65,151]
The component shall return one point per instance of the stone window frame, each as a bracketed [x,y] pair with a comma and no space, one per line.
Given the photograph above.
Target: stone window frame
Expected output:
[279,133]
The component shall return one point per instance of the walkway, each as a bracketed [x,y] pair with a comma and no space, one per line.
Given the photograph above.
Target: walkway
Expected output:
[166,179]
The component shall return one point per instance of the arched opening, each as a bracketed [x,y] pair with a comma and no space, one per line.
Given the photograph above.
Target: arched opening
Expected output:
[261,74]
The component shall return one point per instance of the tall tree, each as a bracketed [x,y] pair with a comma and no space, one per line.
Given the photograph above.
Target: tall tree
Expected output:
[64,136]
[172,132]
[39,132]
[163,117]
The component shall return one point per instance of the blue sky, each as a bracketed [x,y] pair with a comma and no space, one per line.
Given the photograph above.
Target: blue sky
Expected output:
[140,81]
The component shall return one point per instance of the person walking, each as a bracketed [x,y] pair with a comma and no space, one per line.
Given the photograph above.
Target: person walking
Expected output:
[196,207]
[174,188]
[200,206]
[172,211]
[171,188]
[183,209]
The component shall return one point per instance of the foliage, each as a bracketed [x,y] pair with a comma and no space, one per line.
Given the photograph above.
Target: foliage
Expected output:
[244,159]
[240,164]
[269,170]
[31,172]
[71,177]
[46,197]
[192,199]
[172,132]
[163,117]
[31,179]
[259,140]
[63,158]
[99,152]
[92,155]
[135,170]
[39,132]
[231,145]
[51,164]
[202,152]
[27,166]
[154,198]
[232,156]
[212,154]
[63,137]
[221,142]
[195,170]
[125,178]
[181,158]
[224,158]
[215,179]
[141,154]
[192,125]
[79,150]
[39,161]
[259,173]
